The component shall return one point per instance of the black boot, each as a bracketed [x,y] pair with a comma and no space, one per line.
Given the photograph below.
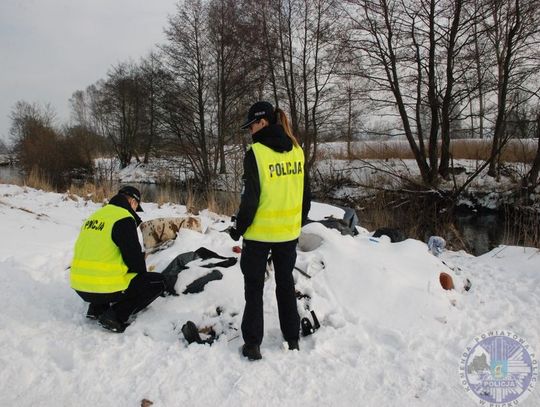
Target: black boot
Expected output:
[252,352]
[293,345]
[109,321]
[95,310]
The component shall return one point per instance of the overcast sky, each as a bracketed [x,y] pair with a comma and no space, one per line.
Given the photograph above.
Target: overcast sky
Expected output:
[51,48]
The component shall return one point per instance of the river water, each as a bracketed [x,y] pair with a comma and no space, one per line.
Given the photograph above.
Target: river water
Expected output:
[482,231]
[10,174]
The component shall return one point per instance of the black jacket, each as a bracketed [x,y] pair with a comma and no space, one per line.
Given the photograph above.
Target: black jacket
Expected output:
[124,235]
[272,136]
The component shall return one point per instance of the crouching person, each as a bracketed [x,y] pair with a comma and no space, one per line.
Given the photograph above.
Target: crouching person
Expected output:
[108,268]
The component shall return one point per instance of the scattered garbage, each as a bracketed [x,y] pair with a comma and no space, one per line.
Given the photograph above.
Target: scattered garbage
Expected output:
[395,235]
[346,225]
[180,263]
[467,286]
[157,232]
[446,281]
[192,334]
[436,245]
[307,326]
[198,285]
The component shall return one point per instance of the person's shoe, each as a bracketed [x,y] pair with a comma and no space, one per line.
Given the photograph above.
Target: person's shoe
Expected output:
[95,310]
[293,345]
[109,321]
[252,352]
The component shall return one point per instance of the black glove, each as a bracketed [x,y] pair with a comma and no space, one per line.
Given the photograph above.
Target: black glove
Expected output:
[234,234]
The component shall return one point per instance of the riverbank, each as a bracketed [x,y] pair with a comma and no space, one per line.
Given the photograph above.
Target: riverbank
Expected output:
[488,213]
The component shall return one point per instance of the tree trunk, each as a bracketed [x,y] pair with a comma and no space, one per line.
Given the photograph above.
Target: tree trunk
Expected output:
[349,121]
[390,65]
[433,100]
[269,56]
[287,65]
[448,95]
[531,179]
[505,61]
[418,109]
[308,140]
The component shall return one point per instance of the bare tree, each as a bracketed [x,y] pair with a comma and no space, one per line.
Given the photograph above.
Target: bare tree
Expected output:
[24,115]
[116,106]
[304,70]
[381,31]
[232,45]
[3,147]
[39,146]
[512,28]
[188,61]
[82,129]
[153,82]
[286,11]
[351,98]
[32,135]
[477,78]
[80,109]
[324,40]
[530,181]
[440,31]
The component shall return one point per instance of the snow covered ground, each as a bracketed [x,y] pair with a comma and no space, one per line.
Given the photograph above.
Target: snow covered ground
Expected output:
[390,335]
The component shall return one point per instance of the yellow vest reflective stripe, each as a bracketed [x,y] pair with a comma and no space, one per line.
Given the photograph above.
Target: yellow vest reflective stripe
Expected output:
[97,265]
[281,178]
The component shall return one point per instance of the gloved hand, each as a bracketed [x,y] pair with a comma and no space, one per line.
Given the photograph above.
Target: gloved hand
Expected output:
[234,234]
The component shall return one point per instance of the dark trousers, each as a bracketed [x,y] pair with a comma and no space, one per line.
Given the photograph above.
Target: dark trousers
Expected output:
[143,289]
[253,265]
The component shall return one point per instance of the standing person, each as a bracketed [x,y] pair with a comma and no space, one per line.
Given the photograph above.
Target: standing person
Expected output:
[275,201]
[108,268]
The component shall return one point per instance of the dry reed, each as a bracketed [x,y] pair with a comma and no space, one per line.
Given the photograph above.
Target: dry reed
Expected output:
[38,180]
[516,150]
[91,192]
[225,203]
[402,212]
[216,201]
[522,226]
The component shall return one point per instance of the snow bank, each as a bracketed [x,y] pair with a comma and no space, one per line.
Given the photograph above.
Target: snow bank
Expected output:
[394,284]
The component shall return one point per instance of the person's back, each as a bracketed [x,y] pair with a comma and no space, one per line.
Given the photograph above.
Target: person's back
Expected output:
[108,268]
[98,266]
[281,179]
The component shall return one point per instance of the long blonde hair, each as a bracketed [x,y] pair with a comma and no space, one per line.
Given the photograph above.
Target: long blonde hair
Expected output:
[284,121]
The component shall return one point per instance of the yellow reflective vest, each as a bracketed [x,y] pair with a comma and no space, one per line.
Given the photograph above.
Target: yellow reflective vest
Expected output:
[281,178]
[97,265]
